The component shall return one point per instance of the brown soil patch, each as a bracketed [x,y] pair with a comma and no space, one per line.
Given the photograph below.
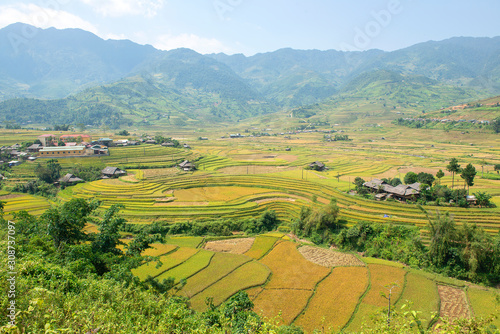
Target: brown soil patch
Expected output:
[329,258]
[265,200]
[11,196]
[453,303]
[234,246]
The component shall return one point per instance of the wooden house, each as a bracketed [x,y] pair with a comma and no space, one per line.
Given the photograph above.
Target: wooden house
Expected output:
[113,172]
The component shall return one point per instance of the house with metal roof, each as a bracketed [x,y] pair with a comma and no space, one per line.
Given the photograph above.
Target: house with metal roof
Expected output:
[187,166]
[62,151]
[34,148]
[70,179]
[319,166]
[111,172]
[401,192]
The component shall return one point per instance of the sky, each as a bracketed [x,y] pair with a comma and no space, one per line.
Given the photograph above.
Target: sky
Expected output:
[258,26]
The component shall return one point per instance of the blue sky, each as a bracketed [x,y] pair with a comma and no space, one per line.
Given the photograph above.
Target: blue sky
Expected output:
[253,26]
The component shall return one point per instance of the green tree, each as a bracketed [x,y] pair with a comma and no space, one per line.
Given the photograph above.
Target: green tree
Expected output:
[65,223]
[453,167]
[410,178]
[440,175]
[109,237]
[50,172]
[497,168]
[360,189]
[476,248]
[443,233]
[496,125]
[468,174]
[138,244]
[425,178]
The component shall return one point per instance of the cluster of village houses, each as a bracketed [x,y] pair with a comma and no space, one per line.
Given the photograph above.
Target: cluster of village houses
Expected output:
[78,145]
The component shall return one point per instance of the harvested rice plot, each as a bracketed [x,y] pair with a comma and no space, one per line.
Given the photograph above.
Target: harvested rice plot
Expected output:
[453,302]
[233,246]
[329,258]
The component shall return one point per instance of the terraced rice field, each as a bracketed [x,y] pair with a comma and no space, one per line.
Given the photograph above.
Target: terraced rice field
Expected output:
[382,278]
[291,270]
[284,285]
[159,249]
[221,265]
[261,246]
[423,295]
[337,295]
[188,268]
[167,262]
[483,303]
[248,275]
[286,303]
[34,205]
[243,196]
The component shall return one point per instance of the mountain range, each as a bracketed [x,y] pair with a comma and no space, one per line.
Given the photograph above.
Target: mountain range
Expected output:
[73,76]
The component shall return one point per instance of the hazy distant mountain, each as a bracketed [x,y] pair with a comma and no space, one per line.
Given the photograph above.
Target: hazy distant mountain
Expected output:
[56,63]
[296,77]
[406,90]
[461,61]
[137,83]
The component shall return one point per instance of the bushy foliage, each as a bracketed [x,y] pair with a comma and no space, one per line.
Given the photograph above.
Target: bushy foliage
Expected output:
[65,285]
[221,227]
[318,223]
[87,173]
[464,252]
[49,172]
[35,187]
[387,241]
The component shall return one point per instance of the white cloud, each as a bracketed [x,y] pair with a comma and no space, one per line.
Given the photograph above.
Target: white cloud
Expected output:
[116,8]
[191,41]
[42,17]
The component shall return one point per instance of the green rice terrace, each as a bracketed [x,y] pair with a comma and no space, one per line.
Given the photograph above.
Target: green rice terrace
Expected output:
[308,286]
[287,278]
